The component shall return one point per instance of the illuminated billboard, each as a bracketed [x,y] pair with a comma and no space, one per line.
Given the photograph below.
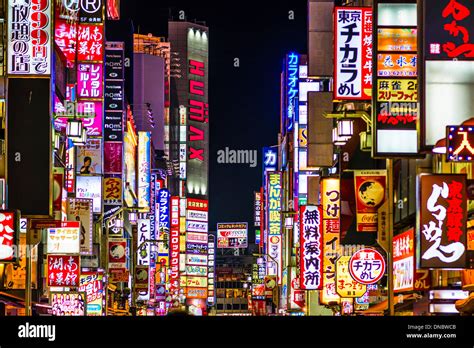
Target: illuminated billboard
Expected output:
[144,170]
[232,235]
[90,187]
[311,248]
[292,89]
[64,239]
[353,53]
[404,261]
[67,304]
[443,216]
[29,37]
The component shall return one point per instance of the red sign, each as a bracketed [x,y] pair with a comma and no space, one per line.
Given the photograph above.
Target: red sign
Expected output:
[117,253]
[64,270]
[91,43]
[8,236]
[443,215]
[404,261]
[311,247]
[422,280]
[353,53]
[197,204]
[370,195]
[367,266]
[448,29]
[174,260]
[198,110]
[460,144]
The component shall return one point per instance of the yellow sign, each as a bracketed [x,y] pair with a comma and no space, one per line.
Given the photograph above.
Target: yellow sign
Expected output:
[330,197]
[303,137]
[331,245]
[346,286]
[329,294]
[397,90]
[195,282]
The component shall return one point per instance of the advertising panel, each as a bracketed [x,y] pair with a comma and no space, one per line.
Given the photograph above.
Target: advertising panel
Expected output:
[90,187]
[292,89]
[232,235]
[367,266]
[311,248]
[404,261]
[81,210]
[144,167]
[9,236]
[91,45]
[143,248]
[346,286]
[90,78]
[91,284]
[459,144]
[353,53]
[257,209]
[63,270]
[89,157]
[117,253]
[64,239]
[397,39]
[67,304]
[112,190]
[370,194]
[30,37]
[443,215]
[274,203]
[196,226]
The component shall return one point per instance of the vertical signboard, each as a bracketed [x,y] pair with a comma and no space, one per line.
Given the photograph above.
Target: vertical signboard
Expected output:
[395,89]
[9,236]
[197,123]
[80,210]
[257,209]
[274,237]
[174,248]
[353,53]
[404,261]
[443,216]
[292,89]
[29,37]
[144,167]
[311,248]
[370,195]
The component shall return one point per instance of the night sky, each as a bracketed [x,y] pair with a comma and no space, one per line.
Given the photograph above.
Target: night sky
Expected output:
[244,102]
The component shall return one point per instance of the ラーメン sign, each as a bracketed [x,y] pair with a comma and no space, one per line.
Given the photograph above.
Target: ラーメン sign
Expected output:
[443,215]
[353,53]
[367,266]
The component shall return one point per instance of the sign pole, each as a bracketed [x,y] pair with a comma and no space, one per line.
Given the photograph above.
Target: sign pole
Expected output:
[390,236]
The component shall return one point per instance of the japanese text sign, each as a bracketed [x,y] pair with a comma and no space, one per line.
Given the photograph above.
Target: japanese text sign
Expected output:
[292,88]
[353,45]
[311,248]
[64,239]
[63,270]
[404,261]
[29,37]
[274,203]
[448,29]
[346,286]
[443,215]
[367,266]
[460,144]
[8,235]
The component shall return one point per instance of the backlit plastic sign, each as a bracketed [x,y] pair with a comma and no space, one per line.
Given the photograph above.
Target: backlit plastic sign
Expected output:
[81,210]
[91,45]
[448,29]
[67,304]
[370,190]
[311,248]
[143,247]
[404,261]
[292,91]
[257,209]
[29,37]
[397,39]
[460,144]
[91,283]
[367,266]
[346,286]
[64,239]
[274,195]
[397,64]
[89,157]
[91,11]
[353,53]
[232,235]
[9,236]
[90,79]
[90,187]
[63,270]
[144,167]
[117,253]
[443,215]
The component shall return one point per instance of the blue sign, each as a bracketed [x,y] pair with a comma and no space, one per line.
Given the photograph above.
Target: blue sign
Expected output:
[164,210]
[270,161]
[292,88]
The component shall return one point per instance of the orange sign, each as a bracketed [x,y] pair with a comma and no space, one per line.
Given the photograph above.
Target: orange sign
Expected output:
[112,189]
[397,39]
[397,65]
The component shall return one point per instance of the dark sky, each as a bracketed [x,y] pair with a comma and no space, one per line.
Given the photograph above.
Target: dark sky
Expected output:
[244,102]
